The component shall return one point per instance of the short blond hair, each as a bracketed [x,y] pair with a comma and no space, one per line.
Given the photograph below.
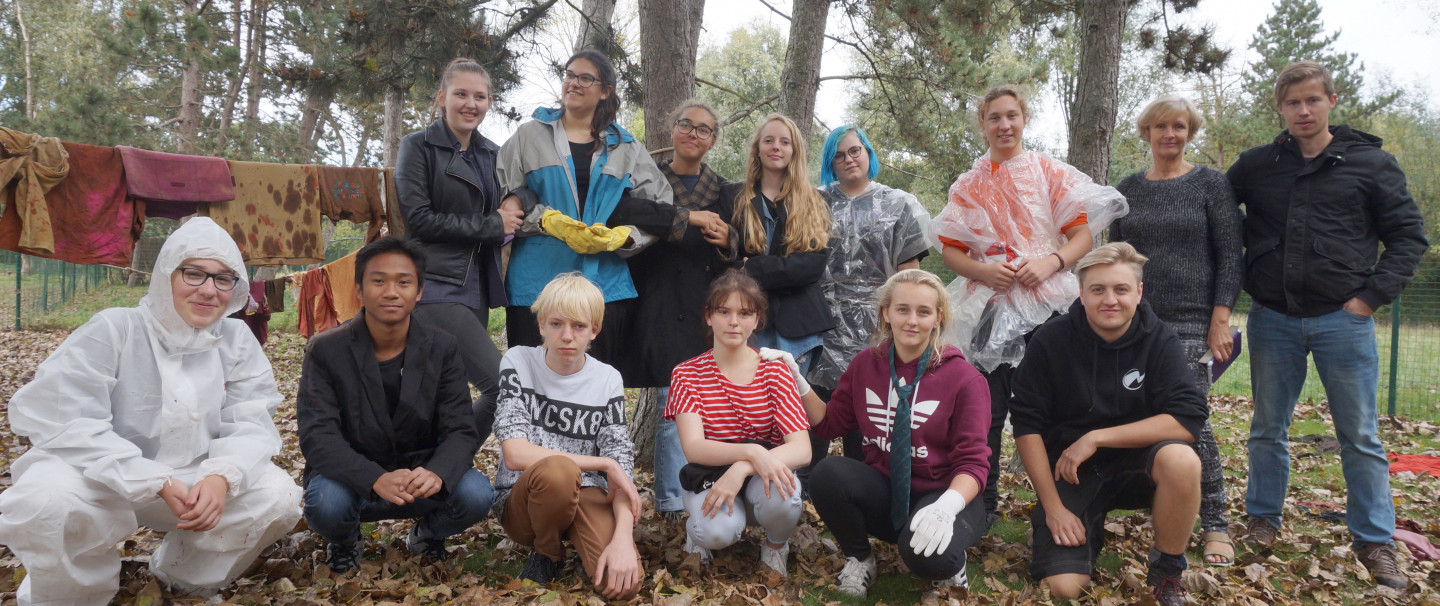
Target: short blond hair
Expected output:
[1164,108]
[886,296]
[1298,72]
[571,296]
[1110,254]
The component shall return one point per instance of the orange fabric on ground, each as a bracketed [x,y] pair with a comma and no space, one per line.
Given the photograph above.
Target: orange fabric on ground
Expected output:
[1417,464]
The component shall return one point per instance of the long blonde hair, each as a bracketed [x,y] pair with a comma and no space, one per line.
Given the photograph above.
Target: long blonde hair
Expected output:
[807,227]
[886,295]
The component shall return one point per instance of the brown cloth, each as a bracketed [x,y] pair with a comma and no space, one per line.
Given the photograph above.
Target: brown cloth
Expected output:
[547,504]
[275,216]
[91,219]
[394,219]
[341,275]
[275,295]
[352,194]
[315,307]
[36,164]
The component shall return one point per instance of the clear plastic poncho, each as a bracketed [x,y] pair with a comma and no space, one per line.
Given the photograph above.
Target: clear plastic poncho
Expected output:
[1012,213]
[870,236]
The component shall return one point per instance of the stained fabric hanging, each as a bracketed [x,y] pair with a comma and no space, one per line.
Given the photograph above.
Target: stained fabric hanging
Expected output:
[171,185]
[92,220]
[275,216]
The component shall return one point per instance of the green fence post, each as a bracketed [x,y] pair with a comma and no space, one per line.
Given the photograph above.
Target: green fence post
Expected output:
[1394,350]
[18,266]
[45,289]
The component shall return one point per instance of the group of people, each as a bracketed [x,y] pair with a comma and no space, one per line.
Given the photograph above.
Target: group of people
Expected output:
[774,317]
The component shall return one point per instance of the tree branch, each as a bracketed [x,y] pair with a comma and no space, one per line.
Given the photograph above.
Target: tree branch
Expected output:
[529,16]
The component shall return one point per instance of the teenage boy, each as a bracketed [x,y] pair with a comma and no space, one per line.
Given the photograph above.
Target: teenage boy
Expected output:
[1318,201]
[1105,411]
[385,420]
[565,454]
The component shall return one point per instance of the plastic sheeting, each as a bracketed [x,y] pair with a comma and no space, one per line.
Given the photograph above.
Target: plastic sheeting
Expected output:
[871,235]
[1012,213]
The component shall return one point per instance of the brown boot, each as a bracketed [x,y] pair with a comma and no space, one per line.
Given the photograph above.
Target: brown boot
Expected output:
[1261,532]
[1379,559]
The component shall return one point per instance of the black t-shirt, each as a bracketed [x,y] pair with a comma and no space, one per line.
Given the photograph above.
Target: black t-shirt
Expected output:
[581,154]
[689,181]
[390,373]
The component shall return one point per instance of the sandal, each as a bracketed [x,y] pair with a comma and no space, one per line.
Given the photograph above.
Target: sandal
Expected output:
[1226,559]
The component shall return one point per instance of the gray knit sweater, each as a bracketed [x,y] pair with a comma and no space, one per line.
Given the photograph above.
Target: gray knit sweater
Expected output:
[1189,226]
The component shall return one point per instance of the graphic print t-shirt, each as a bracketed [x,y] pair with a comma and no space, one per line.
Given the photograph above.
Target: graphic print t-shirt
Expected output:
[582,413]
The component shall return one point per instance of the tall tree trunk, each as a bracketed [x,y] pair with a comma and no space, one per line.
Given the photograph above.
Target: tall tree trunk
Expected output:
[669,38]
[258,11]
[1102,32]
[642,426]
[232,93]
[189,118]
[394,123]
[595,29]
[801,77]
[317,98]
[25,41]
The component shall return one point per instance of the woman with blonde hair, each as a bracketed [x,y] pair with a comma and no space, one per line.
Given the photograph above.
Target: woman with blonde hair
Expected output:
[923,411]
[1184,217]
[784,233]
[1015,222]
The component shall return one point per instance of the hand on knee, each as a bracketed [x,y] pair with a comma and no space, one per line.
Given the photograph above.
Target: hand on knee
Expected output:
[1067,586]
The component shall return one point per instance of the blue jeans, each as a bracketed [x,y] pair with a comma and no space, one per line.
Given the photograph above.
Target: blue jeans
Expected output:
[335,512]
[1343,345]
[669,458]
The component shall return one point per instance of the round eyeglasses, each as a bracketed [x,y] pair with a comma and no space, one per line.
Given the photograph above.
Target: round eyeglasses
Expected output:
[195,276]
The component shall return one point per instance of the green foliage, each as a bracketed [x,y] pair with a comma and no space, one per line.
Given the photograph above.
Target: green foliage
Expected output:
[744,71]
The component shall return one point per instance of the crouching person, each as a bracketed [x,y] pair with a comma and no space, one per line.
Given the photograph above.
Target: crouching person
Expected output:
[385,420]
[565,453]
[158,415]
[1105,411]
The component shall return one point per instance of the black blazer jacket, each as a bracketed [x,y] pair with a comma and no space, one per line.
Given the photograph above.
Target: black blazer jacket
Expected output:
[347,433]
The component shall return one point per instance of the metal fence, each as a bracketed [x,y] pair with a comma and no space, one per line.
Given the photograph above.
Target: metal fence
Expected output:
[43,286]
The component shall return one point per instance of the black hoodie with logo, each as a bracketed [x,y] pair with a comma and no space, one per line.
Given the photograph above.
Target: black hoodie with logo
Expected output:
[1072,381]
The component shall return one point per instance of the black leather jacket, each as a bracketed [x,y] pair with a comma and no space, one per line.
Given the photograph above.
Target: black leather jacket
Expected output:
[445,208]
[1313,229]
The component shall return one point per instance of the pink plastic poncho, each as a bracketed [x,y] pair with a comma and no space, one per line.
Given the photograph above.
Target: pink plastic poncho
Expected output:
[1015,212]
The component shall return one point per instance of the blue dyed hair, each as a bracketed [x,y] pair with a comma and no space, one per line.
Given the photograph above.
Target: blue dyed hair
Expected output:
[832,145]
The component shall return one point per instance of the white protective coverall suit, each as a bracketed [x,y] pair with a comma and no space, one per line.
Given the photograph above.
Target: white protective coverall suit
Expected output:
[132,398]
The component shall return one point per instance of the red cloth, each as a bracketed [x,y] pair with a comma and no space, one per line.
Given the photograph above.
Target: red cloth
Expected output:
[171,184]
[1418,464]
[765,410]
[91,218]
[256,315]
[316,305]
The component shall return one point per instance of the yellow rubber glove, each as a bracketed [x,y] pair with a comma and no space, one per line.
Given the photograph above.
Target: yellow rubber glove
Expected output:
[586,240]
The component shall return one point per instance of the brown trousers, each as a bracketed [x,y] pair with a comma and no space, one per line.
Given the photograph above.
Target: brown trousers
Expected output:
[547,504]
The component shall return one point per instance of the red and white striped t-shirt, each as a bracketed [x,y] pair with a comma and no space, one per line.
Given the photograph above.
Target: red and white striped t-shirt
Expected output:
[765,411]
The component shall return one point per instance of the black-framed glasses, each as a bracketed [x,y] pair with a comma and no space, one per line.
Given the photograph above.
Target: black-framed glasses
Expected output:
[195,276]
[701,131]
[853,152]
[584,80]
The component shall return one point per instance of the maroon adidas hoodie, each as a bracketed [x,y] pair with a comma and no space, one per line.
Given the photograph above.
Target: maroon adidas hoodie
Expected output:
[950,416]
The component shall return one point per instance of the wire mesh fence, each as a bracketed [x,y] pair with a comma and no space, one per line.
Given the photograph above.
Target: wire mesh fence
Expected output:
[44,287]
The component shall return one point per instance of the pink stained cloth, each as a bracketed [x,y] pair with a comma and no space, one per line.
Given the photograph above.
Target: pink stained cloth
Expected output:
[172,184]
[92,219]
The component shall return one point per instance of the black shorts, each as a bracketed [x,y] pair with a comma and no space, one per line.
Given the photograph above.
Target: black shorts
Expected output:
[1121,482]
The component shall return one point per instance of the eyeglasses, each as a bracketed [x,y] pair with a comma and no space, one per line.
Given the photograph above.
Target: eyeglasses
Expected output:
[853,152]
[584,80]
[196,277]
[702,132]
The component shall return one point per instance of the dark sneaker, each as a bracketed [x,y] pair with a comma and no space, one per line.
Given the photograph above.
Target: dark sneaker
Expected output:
[1168,590]
[1379,559]
[1261,532]
[540,569]
[430,550]
[342,558]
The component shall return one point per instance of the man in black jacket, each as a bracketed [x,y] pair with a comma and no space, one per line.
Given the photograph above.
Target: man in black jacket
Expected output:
[385,420]
[1104,412]
[1318,202]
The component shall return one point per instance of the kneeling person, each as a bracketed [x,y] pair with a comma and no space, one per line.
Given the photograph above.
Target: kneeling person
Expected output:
[565,453]
[158,415]
[385,420]
[1104,411]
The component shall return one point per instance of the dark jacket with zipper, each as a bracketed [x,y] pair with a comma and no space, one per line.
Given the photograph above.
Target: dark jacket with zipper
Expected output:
[446,208]
[1313,229]
[791,281]
[347,432]
[1071,381]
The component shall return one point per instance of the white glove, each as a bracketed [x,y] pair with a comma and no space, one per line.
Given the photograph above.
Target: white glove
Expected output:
[770,355]
[934,524]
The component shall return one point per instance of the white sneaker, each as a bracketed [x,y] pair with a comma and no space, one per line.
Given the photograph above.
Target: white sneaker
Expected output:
[691,547]
[856,576]
[959,580]
[776,559]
